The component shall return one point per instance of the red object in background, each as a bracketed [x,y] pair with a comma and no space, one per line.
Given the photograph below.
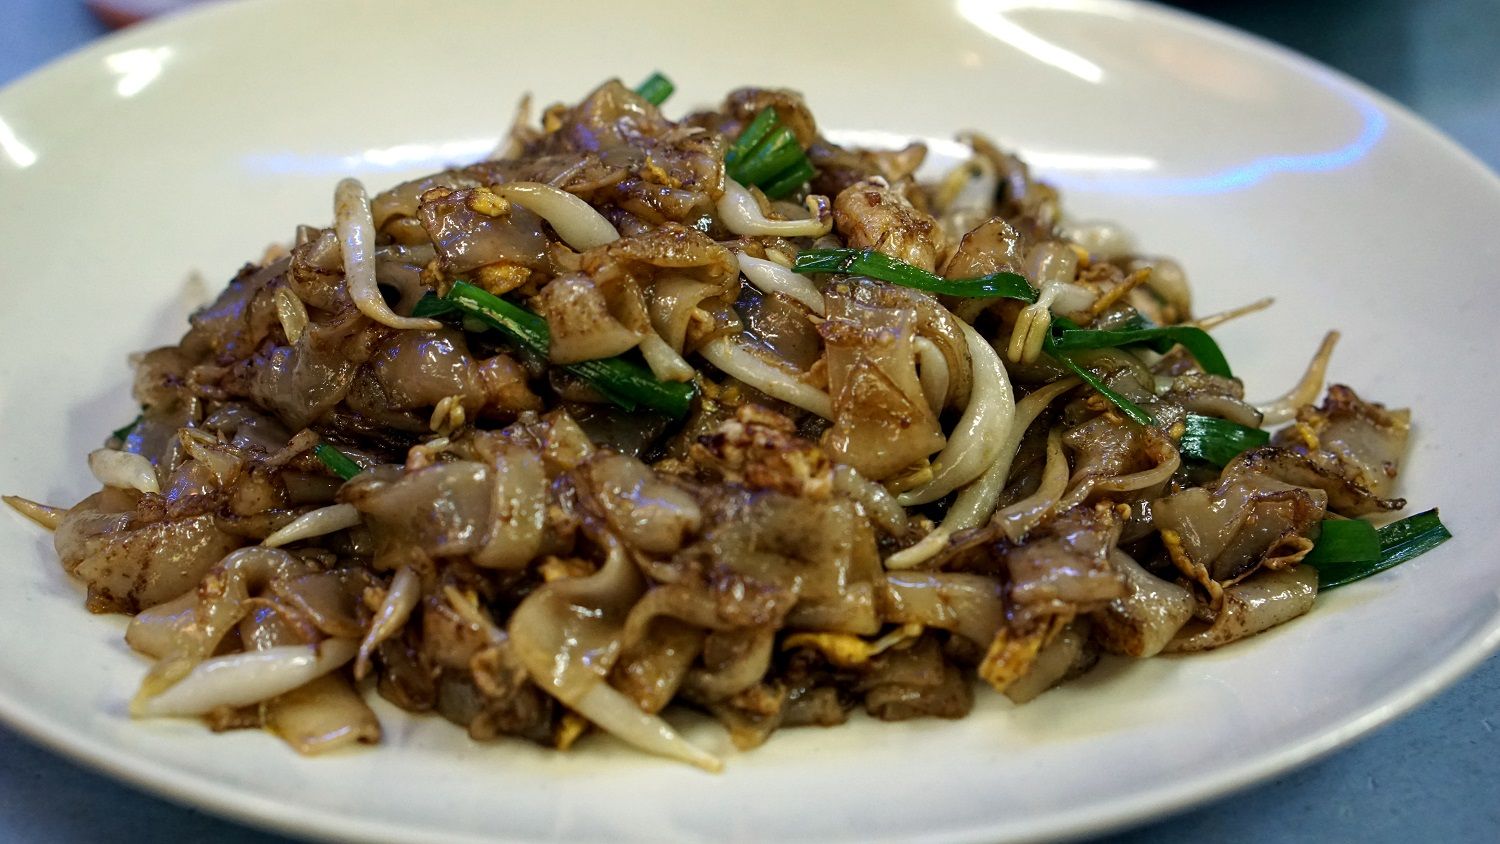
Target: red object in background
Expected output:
[118,13]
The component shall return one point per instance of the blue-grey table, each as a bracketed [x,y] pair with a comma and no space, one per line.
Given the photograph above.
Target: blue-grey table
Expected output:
[1433,775]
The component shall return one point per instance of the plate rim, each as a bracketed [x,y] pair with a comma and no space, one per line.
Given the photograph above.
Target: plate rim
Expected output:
[182,788]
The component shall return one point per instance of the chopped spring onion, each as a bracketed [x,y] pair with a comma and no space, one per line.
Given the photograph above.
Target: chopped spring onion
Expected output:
[767,155]
[123,433]
[1218,441]
[1067,335]
[752,135]
[622,382]
[656,89]
[792,179]
[779,152]
[336,461]
[878,265]
[1350,550]
[1126,406]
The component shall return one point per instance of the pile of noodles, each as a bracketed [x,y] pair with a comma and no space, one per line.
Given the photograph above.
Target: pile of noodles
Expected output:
[877,494]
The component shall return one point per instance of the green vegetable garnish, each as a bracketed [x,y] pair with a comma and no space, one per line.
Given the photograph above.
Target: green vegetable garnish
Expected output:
[767,155]
[1066,335]
[124,432]
[778,153]
[752,135]
[336,461]
[792,179]
[1218,441]
[656,89]
[622,382]
[1348,549]
[1126,406]
[878,265]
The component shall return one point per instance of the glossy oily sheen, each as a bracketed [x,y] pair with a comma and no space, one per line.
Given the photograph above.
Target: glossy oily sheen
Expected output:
[189,145]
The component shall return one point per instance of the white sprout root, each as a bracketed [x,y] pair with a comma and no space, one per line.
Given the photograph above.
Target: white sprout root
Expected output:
[244,678]
[985,424]
[43,514]
[1213,321]
[356,232]
[663,360]
[574,220]
[1032,325]
[932,370]
[742,215]
[400,599]
[1305,391]
[1103,240]
[618,715]
[123,470]
[1019,518]
[291,313]
[877,502]
[729,355]
[771,277]
[977,501]
[319,522]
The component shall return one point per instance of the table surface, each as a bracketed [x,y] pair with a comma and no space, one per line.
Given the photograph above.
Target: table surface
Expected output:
[1434,774]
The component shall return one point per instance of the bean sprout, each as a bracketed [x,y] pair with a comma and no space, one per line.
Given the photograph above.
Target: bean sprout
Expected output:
[574,220]
[356,234]
[741,214]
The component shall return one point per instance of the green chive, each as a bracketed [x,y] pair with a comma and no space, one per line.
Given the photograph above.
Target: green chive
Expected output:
[1068,336]
[1126,406]
[1348,549]
[656,89]
[124,432]
[752,135]
[788,182]
[1218,441]
[877,265]
[777,153]
[336,461]
[1345,541]
[620,381]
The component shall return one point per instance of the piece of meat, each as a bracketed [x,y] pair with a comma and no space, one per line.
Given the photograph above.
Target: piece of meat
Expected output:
[873,215]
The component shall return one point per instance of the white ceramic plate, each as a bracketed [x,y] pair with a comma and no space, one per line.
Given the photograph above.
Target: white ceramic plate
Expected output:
[189,145]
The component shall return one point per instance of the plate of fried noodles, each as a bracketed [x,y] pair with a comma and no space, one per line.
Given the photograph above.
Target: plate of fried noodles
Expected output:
[462,421]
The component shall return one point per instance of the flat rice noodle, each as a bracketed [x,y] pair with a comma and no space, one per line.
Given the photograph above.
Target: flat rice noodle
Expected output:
[645,510]
[582,325]
[443,509]
[733,661]
[1360,440]
[1258,604]
[970,605]
[1145,619]
[322,716]
[671,306]
[882,423]
[1066,656]
[405,199]
[302,382]
[467,239]
[652,668]
[518,518]
[1344,496]
[1252,518]
[1067,560]
[915,682]
[129,565]
[410,371]
[822,551]
[567,634]
[1234,534]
